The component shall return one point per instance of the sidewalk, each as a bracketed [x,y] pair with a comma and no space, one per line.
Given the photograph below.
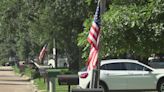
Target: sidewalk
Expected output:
[10,82]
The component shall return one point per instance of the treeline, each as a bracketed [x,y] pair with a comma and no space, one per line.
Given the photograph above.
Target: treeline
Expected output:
[26,25]
[127,26]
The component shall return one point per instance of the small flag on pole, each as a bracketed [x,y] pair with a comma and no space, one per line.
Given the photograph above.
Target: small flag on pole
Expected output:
[42,52]
[93,39]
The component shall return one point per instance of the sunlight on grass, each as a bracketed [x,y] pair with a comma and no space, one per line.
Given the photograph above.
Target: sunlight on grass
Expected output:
[41,85]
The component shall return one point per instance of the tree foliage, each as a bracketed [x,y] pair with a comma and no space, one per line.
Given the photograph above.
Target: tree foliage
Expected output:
[130,26]
[26,25]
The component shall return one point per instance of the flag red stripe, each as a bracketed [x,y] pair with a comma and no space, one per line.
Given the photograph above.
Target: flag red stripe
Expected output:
[93,34]
[93,59]
[96,29]
[93,39]
[42,52]
[92,42]
[91,54]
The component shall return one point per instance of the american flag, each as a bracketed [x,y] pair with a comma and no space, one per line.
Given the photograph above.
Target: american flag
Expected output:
[93,39]
[42,52]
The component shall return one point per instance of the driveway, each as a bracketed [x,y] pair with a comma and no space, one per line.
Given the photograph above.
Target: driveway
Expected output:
[10,82]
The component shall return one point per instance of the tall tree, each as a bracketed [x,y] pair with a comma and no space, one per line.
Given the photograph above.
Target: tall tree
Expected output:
[130,26]
[31,23]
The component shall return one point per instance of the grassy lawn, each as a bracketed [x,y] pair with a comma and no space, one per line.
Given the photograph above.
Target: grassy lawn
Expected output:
[43,86]
[16,69]
[39,82]
[27,70]
[62,88]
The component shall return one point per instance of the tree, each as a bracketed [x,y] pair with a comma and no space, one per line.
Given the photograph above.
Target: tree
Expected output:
[32,23]
[130,26]
[67,19]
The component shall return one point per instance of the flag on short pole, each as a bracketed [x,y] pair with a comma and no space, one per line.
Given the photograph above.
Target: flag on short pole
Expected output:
[93,39]
[42,52]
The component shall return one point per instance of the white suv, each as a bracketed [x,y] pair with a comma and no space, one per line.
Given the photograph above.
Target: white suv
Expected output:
[125,74]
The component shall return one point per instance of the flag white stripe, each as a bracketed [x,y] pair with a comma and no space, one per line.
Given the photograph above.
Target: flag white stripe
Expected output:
[93,40]
[93,61]
[91,54]
[93,32]
[95,25]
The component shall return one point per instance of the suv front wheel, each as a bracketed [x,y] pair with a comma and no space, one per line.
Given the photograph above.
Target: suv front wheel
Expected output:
[161,86]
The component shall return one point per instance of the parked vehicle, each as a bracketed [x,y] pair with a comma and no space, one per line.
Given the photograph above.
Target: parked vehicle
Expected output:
[156,62]
[125,74]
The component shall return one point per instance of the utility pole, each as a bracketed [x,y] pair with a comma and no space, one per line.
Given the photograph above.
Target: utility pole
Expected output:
[55,52]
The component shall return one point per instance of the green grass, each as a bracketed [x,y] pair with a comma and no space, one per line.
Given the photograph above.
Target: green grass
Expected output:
[41,85]
[16,69]
[61,88]
[27,70]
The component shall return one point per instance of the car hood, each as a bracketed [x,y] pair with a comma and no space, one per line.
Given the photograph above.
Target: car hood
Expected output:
[159,71]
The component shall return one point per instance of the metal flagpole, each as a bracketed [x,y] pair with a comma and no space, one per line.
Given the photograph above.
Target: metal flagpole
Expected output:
[94,74]
[94,40]
[102,4]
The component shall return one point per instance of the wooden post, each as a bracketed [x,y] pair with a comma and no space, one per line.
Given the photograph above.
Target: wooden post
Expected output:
[52,85]
[47,83]
[69,88]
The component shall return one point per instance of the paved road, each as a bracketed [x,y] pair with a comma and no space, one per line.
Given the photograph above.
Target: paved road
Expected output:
[10,82]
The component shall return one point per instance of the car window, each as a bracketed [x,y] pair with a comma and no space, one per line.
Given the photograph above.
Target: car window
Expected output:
[113,66]
[133,66]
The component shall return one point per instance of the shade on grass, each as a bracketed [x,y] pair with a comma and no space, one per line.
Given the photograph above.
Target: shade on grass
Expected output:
[42,85]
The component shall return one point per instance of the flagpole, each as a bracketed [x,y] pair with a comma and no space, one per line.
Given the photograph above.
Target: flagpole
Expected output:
[96,72]
[102,4]
[94,58]
[94,83]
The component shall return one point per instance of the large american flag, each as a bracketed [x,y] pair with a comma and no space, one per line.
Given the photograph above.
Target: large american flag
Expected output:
[93,39]
[42,52]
